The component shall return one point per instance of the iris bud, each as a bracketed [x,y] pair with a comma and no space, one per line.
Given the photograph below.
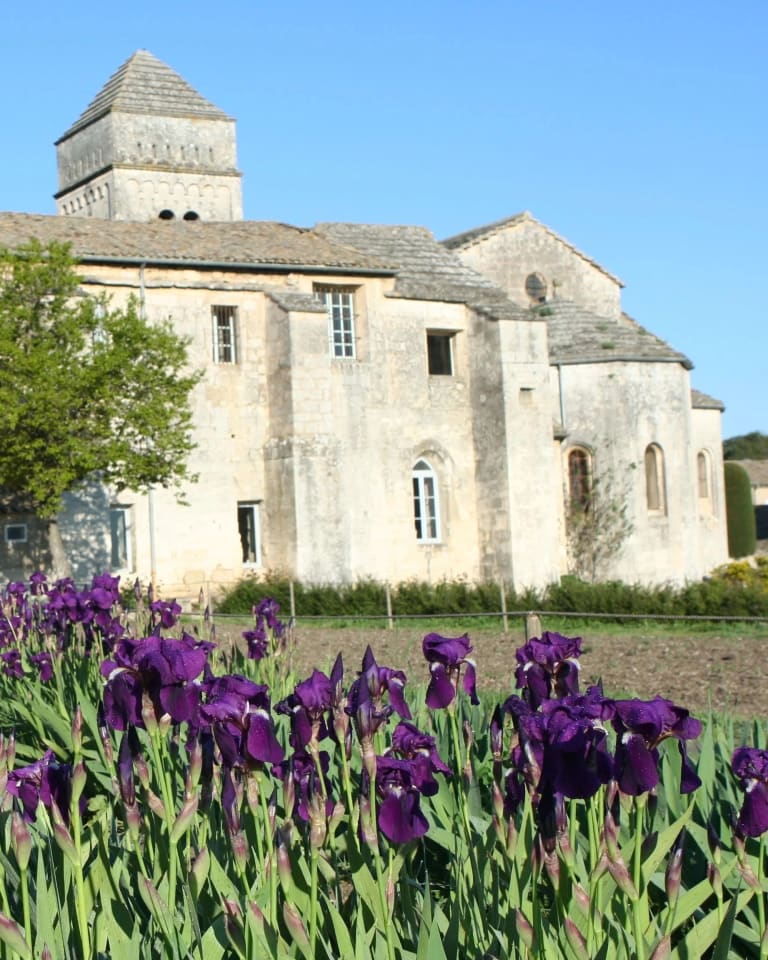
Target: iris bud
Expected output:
[294,923]
[574,937]
[12,935]
[662,950]
[184,819]
[715,879]
[21,841]
[524,929]
[79,778]
[77,730]
[198,872]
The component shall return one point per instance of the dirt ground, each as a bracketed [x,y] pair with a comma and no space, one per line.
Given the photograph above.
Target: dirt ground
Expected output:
[729,672]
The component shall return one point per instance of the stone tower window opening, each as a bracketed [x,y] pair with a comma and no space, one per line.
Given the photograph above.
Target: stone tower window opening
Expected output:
[655,482]
[580,479]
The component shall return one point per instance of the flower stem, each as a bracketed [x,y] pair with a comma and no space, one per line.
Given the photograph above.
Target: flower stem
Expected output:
[314,854]
[463,808]
[25,905]
[639,906]
[271,863]
[158,748]
[761,897]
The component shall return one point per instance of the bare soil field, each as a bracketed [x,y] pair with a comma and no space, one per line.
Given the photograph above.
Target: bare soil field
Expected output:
[730,673]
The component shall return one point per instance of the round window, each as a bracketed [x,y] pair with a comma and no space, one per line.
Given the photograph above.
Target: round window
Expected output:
[536,287]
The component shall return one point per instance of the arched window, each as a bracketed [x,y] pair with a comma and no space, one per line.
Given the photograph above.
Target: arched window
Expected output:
[702,472]
[425,503]
[655,485]
[579,479]
[704,481]
[166,215]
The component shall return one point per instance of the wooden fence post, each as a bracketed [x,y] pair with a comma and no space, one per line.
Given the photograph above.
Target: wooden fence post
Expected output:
[293,600]
[504,617]
[390,619]
[532,626]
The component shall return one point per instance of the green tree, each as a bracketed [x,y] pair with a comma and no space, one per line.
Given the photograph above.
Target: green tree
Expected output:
[748,446]
[85,390]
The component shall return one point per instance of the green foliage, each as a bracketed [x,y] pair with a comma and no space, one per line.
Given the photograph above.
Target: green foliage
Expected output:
[740,513]
[735,590]
[748,446]
[84,388]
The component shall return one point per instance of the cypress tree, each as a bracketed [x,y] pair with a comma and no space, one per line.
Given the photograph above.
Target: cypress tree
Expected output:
[740,514]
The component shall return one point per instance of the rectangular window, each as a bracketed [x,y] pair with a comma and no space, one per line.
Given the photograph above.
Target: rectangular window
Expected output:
[425,508]
[224,334]
[340,302]
[121,533]
[15,533]
[440,354]
[250,532]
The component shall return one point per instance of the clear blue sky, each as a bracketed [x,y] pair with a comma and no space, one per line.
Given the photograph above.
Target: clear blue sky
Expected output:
[637,130]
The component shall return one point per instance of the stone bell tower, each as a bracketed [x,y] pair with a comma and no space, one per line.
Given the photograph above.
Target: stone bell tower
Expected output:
[149,146]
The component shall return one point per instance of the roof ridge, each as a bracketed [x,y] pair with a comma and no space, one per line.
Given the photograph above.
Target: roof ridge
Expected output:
[145,84]
[469,236]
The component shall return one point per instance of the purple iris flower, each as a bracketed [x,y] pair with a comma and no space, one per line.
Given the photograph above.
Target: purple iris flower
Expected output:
[161,668]
[641,726]
[446,657]
[38,583]
[238,711]
[577,761]
[307,707]
[379,680]
[548,667]
[257,643]
[11,661]
[165,613]
[409,743]
[399,814]
[44,781]
[750,767]
[561,751]
[267,610]
[44,662]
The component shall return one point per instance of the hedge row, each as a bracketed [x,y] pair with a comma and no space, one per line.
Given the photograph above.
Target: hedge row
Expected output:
[737,590]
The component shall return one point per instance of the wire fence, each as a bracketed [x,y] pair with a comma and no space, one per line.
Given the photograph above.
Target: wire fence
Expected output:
[505,616]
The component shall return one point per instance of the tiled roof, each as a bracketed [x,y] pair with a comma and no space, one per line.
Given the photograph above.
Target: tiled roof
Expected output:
[757,470]
[578,336]
[702,401]
[246,243]
[425,269]
[144,84]
[478,233]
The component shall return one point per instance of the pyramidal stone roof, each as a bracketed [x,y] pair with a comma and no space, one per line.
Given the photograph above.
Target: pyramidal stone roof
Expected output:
[144,84]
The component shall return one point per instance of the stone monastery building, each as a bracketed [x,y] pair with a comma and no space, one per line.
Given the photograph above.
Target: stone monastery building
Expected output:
[375,403]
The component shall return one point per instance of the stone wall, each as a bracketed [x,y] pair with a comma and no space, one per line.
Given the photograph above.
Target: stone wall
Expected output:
[510,254]
[128,166]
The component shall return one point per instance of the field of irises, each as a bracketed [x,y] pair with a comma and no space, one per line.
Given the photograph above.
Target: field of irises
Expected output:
[161,796]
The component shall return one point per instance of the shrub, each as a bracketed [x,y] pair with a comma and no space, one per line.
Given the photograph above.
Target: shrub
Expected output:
[734,590]
[740,514]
